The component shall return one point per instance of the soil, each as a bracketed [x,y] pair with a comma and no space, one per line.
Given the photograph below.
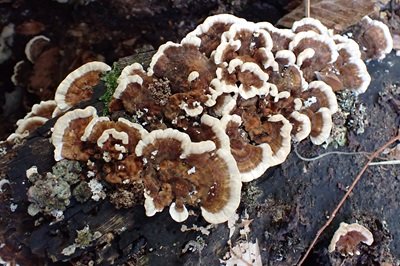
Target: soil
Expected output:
[287,205]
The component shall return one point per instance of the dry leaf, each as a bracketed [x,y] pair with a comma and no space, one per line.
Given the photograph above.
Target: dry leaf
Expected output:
[335,14]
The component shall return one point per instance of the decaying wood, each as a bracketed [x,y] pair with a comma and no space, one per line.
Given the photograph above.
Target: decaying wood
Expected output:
[335,14]
[32,241]
[285,204]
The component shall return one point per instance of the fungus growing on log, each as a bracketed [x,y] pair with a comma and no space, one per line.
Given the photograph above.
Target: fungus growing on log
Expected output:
[348,236]
[35,47]
[309,24]
[67,132]
[78,85]
[375,38]
[39,114]
[82,135]
[215,110]
[179,172]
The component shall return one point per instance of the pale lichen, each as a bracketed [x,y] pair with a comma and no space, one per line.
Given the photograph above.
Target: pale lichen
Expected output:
[48,194]
[339,130]
[97,190]
[68,170]
[250,195]
[83,239]
[354,111]
[82,192]
[195,245]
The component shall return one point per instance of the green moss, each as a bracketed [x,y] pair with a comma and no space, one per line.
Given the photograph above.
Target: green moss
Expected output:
[110,81]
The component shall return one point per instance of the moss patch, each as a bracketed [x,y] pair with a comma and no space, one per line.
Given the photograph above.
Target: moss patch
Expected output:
[110,81]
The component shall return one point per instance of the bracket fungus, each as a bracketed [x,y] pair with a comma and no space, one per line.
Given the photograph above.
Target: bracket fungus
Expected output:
[179,172]
[39,114]
[35,47]
[348,236]
[78,85]
[215,110]
[374,37]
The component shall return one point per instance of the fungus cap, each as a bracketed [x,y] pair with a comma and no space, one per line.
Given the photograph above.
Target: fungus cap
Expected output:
[348,236]
[35,47]
[124,82]
[78,85]
[235,186]
[323,94]
[309,24]
[301,126]
[375,38]
[303,40]
[252,160]
[131,70]
[178,215]
[189,172]
[43,109]
[26,126]
[207,35]
[22,71]
[280,37]
[321,126]
[67,133]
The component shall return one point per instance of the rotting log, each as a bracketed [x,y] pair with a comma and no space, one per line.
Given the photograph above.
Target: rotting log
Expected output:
[125,233]
[287,204]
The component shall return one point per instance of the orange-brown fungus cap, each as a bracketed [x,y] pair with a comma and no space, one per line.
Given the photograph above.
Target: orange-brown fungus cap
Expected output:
[112,140]
[319,94]
[348,236]
[67,134]
[309,24]
[280,37]
[78,85]
[314,52]
[249,158]
[247,42]
[134,95]
[36,46]
[38,115]
[123,171]
[321,124]
[207,36]
[184,66]
[375,38]
[348,71]
[180,171]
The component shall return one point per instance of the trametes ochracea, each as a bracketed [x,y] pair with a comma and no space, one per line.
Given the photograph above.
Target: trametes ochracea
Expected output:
[213,111]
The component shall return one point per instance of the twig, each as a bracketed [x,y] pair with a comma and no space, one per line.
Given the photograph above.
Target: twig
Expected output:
[391,162]
[311,159]
[342,201]
[307,8]
[328,153]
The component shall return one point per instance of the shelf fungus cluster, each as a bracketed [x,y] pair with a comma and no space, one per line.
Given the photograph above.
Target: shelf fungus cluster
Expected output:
[211,112]
[39,114]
